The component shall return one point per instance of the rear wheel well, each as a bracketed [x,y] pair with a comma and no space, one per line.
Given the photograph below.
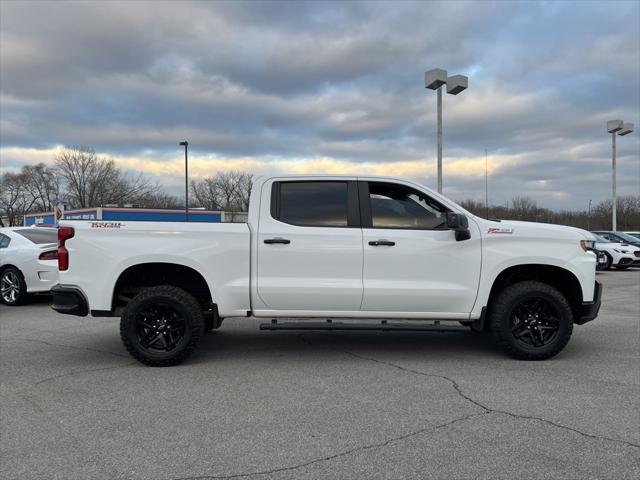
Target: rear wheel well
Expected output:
[559,278]
[136,278]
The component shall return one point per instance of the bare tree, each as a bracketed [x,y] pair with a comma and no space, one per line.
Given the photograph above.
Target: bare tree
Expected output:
[91,181]
[225,191]
[43,185]
[15,199]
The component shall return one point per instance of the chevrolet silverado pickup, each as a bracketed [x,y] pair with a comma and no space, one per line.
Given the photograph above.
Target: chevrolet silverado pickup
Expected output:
[326,253]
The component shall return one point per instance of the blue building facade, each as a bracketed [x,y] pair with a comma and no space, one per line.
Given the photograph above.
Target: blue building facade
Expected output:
[125,214]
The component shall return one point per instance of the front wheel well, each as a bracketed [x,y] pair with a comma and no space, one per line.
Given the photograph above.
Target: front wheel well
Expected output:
[559,278]
[137,277]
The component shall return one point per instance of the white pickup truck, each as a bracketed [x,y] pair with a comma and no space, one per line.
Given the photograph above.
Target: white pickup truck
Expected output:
[331,252]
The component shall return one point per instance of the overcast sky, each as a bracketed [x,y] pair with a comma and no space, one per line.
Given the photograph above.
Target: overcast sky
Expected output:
[330,87]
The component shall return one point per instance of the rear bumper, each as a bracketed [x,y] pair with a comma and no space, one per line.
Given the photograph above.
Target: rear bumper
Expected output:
[589,310]
[69,300]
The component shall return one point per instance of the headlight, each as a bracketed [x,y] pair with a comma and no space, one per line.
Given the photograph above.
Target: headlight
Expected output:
[587,244]
[616,250]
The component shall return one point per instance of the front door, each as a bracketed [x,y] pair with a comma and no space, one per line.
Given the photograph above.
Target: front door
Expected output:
[412,262]
[310,247]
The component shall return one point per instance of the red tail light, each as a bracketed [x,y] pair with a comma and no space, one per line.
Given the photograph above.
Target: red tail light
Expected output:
[64,234]
[50,255]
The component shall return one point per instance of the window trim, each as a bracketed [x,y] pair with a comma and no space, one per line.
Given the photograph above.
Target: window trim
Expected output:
[353,211]
[367,216]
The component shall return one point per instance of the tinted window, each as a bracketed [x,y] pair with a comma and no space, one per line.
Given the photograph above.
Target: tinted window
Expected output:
[313,204]
[397,206]
[4,241]
[39,235]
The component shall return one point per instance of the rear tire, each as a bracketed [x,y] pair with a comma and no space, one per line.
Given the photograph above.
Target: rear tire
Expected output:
[531,320]
[13,288]
[162,326]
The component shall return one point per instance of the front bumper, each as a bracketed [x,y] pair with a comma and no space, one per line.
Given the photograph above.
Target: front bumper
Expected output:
[69,300]
[589,310]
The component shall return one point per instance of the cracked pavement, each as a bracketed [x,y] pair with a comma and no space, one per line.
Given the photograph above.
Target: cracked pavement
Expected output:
[285,405]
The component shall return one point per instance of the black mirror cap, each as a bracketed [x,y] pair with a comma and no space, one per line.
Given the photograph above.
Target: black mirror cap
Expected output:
[457,221]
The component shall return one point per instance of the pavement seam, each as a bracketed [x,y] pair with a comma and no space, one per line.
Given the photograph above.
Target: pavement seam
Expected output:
[487,409]
[74,347]
[336,455]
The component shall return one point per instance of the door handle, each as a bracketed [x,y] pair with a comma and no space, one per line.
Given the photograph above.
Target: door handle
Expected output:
[378,243]
[277,240]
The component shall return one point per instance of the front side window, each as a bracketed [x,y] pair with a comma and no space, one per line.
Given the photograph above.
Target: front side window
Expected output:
[313,204]
[398,206]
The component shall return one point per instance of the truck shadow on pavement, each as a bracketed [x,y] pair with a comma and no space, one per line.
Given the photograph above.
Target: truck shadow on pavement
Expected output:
[422,346]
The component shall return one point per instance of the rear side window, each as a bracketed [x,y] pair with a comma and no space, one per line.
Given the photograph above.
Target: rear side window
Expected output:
[4,241]
[311,204]
[39,235]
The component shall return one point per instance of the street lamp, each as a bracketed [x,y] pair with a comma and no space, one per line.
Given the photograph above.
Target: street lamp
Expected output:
[185,144]
[616,127]
[434,79]
[589,217]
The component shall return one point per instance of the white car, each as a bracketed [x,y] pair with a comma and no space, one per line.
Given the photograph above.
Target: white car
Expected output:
[375,253]
[28,262]
[619,255]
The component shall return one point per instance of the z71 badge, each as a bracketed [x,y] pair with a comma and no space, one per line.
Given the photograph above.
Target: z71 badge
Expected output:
[500,230]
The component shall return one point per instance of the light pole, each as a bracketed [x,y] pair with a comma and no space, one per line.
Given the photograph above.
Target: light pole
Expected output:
[616,127]
[185,144]
[434,79]
[589,217]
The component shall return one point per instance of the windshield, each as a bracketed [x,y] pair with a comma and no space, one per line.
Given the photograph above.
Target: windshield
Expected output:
[600,239]
[39,235]
[626,237]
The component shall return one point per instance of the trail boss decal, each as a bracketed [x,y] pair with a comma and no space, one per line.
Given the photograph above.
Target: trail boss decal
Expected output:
[508,231]
[106,225]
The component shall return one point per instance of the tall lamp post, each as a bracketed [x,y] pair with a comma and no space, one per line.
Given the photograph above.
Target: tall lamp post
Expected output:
[589,216]
[185,144]
[434,80]
[616,127]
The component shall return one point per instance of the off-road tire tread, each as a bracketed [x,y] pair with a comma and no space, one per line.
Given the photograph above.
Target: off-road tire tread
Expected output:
[501,306]
[195,319]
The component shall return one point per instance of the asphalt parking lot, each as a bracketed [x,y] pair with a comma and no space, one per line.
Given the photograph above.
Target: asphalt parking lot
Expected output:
[286,405]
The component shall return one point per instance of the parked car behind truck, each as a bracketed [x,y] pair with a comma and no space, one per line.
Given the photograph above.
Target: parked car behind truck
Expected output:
[374,252]
[28,263]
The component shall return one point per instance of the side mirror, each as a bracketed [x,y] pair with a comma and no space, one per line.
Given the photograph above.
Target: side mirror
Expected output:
[460,224]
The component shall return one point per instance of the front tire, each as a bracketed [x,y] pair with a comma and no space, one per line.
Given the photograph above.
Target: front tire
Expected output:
[13,288]
[531,320]
[162,326]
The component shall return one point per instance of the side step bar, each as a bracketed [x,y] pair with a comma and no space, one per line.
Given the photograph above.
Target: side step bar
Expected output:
[379,327]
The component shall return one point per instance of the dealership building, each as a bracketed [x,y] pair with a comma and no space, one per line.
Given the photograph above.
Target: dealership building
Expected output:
[133,214]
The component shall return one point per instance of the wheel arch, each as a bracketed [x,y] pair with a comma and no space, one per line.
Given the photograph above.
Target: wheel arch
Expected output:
[149,274]
[559,278]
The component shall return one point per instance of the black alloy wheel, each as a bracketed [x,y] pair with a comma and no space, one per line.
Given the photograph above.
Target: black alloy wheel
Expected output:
[531,320]
[535,322]
[162,325]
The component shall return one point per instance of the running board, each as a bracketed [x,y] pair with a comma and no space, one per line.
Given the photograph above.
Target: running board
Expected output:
[379,327]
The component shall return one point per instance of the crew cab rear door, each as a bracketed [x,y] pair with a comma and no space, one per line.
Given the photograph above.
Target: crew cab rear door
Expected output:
[309,246]
[412,261]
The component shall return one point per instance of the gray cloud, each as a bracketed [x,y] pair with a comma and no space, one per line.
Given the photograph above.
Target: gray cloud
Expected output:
[295,80]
